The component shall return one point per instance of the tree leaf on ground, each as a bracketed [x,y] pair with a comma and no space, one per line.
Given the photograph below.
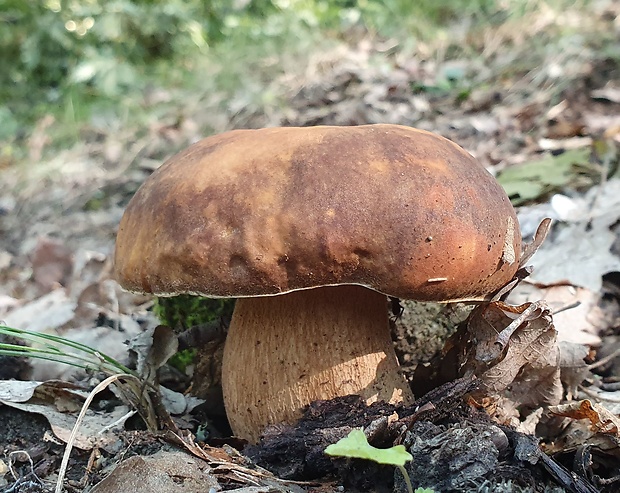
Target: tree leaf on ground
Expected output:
[587,425]
[526,370]
[53,400]
[89,308]
[7,303]
[611,92]
[610,352]
[153,347]
[48,312]
[601,420]
[577,253]
[52,264]
[17,390]
[539,237]
[533,179]
[176,403]
[582,245]
[165,472]
[573,366]
[580,316]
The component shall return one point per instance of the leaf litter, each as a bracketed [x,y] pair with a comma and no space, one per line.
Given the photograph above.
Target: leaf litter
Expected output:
[55,278]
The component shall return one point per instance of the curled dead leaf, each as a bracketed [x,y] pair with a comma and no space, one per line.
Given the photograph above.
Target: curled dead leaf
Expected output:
[601,419]
[514,353]
[539,237]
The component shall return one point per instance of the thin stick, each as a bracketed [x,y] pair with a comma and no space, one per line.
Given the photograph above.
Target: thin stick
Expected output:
[598,396]
[604,360]
[65,459]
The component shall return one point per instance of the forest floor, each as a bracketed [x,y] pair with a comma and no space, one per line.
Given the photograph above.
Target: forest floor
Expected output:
[536,101]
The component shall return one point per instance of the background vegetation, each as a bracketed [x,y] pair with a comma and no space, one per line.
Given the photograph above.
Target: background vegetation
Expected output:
[76,59]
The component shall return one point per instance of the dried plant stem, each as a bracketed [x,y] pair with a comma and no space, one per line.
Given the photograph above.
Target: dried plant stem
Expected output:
[595,395]
[604,360]
[65,459]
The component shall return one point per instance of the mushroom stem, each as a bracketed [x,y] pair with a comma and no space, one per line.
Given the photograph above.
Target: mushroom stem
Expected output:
[283,352]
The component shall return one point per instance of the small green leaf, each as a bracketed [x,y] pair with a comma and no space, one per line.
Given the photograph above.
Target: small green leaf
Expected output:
[533,179]
[355,445]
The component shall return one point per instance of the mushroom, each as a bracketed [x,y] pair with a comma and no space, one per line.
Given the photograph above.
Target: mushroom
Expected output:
[312,229]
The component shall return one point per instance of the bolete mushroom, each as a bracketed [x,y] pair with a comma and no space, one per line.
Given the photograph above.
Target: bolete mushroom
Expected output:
[312,229]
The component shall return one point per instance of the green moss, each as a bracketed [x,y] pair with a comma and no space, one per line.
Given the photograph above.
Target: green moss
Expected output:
[183,359]
[185,311]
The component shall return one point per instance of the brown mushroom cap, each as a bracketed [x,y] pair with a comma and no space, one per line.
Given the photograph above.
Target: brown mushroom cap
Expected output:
[263,212]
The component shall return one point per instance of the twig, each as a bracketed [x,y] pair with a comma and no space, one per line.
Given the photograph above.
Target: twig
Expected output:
[566,307]
[604,360]
[65,459]
[23,481]
[598,396]
[119,421]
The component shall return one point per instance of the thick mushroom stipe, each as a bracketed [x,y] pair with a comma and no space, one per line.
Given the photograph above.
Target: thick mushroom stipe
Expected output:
[283,352]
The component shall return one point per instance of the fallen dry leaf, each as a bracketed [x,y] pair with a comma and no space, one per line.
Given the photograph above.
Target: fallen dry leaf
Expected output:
[564,144]
[611,92]
[164,472]
[601,420]
[53,399]
[48,312]
[84,305]
[612,365]
[577,315]
[573,366]
[153,348]
[52,264]
[529,424]
[579,249]
[514,353]
[592,425]
[539,237]
[7,303]
[578,254]
[229,465]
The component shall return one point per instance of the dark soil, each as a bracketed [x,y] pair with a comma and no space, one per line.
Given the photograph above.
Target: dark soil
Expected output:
[455,447]
[31,434]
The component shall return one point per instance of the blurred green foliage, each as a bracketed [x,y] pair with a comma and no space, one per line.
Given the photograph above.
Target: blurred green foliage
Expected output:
[61,55]
[78,58]
[101,46]
[536,179]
